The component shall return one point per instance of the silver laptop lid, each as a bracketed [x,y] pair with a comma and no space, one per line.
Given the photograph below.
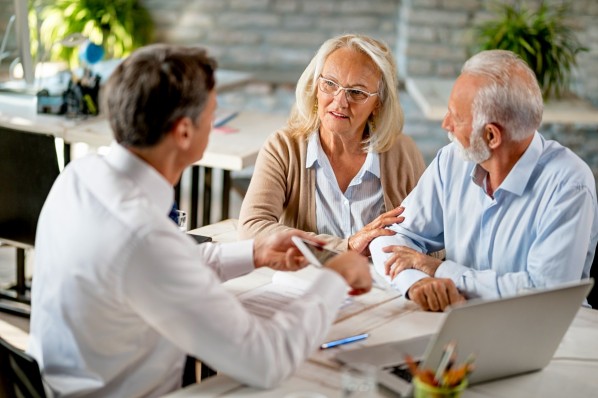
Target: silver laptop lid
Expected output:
[511,335]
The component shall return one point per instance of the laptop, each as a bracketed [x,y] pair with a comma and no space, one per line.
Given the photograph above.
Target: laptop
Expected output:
[508,336]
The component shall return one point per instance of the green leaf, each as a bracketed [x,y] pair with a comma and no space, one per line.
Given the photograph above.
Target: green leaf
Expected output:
[541,37]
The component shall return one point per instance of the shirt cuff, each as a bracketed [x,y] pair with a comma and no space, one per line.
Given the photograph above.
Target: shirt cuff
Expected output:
[407,278]
[331,287]
[452,270]
[236,258]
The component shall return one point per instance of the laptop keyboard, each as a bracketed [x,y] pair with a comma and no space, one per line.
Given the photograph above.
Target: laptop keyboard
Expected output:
[401,371]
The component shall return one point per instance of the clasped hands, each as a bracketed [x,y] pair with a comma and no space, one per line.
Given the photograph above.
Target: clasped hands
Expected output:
[432,294]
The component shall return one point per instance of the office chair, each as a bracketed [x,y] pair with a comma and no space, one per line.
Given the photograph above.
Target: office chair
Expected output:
[28,168]
[19,373]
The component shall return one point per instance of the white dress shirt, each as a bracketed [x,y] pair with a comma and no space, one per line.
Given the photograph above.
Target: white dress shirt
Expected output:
[341,213]
[120,294]
[539,230]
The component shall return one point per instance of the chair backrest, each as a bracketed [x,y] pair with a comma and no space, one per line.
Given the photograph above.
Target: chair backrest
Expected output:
[19,373]
[28,168]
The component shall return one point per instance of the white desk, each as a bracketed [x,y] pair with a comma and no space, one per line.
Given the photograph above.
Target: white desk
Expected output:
[230,151]
[572,372]
[432,96]
[19,111]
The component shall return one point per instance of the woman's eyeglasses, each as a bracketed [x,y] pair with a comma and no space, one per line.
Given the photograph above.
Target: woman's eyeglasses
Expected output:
[351,94]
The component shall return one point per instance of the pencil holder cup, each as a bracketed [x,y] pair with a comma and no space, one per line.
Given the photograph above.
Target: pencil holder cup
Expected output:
[424,390]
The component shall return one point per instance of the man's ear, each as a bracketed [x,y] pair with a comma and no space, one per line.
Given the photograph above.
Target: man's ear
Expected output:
[492,135]
[181,132]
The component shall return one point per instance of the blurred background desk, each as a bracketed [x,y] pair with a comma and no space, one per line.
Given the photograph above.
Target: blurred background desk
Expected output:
[231,148]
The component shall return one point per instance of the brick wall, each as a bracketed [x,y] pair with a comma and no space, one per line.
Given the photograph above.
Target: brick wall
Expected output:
[271,37]
[433,37]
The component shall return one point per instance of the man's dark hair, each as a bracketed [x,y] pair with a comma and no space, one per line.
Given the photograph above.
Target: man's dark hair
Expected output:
[155,87]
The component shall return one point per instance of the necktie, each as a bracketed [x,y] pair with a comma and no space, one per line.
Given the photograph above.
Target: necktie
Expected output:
[189,369]
[174,216]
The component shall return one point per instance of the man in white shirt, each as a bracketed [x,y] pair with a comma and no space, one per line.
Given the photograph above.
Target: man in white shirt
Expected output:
[513,210]
[121,295]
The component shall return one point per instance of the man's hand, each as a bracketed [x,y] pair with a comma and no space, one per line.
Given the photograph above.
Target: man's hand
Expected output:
[360,241]
[355,269]
[279,252]
[403,258]
[435,294]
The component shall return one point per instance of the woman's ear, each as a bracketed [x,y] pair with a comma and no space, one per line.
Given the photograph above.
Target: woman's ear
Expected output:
[377,108]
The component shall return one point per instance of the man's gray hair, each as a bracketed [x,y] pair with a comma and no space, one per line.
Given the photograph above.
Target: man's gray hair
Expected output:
[512,99]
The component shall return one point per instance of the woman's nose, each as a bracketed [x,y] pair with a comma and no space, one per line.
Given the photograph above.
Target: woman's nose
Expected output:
[341,97]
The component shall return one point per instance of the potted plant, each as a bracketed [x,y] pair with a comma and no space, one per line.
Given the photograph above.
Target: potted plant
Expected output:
[541,37]
[120,26]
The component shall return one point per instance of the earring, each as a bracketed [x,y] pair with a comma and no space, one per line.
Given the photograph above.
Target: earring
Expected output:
[372,123]
[315,109]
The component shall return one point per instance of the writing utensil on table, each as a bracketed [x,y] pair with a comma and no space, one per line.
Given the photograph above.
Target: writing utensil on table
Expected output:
[219,122]
[344,340]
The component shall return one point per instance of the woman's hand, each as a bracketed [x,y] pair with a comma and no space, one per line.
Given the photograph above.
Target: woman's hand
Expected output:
[361,240]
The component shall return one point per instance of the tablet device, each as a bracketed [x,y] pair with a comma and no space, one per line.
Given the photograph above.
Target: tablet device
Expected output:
[315,254]
[200,238]
[318,255]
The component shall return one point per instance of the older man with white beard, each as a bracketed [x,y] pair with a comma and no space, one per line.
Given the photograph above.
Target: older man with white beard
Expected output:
[512,209]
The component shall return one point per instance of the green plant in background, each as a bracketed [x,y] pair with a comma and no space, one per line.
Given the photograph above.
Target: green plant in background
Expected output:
[542,38]
[120,26]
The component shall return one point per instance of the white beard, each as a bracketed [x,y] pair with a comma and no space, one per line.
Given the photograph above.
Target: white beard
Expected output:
[477,152]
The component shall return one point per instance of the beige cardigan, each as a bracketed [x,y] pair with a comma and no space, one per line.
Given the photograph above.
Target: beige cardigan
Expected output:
[281,194]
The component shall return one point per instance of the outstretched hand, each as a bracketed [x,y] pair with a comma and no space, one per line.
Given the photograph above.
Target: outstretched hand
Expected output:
[361,240]
[278,251]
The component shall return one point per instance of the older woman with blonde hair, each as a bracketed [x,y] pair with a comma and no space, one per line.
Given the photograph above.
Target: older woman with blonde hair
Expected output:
[341,166]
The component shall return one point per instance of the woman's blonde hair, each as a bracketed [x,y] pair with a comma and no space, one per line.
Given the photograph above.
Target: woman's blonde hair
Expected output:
[388,121]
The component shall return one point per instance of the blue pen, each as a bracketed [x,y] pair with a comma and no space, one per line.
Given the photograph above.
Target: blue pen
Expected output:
[345,340]
[226,119]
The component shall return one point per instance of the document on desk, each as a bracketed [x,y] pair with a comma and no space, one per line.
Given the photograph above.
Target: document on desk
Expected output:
[288,286]
[266,300]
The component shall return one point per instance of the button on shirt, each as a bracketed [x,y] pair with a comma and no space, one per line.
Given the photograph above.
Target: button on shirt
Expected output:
[539,230]
[344,214]
[120,294]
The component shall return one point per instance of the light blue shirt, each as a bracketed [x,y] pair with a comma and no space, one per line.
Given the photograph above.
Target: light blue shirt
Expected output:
[343,214]
[539,230]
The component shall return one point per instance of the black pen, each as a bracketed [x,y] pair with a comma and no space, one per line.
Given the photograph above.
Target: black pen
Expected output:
[344,340]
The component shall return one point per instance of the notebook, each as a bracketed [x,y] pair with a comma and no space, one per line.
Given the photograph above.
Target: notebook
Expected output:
[509,336]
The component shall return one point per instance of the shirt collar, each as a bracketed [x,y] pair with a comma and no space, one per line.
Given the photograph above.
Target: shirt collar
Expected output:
[520,174]
[518,177]
[313,144]
[371,164]
[154,186]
